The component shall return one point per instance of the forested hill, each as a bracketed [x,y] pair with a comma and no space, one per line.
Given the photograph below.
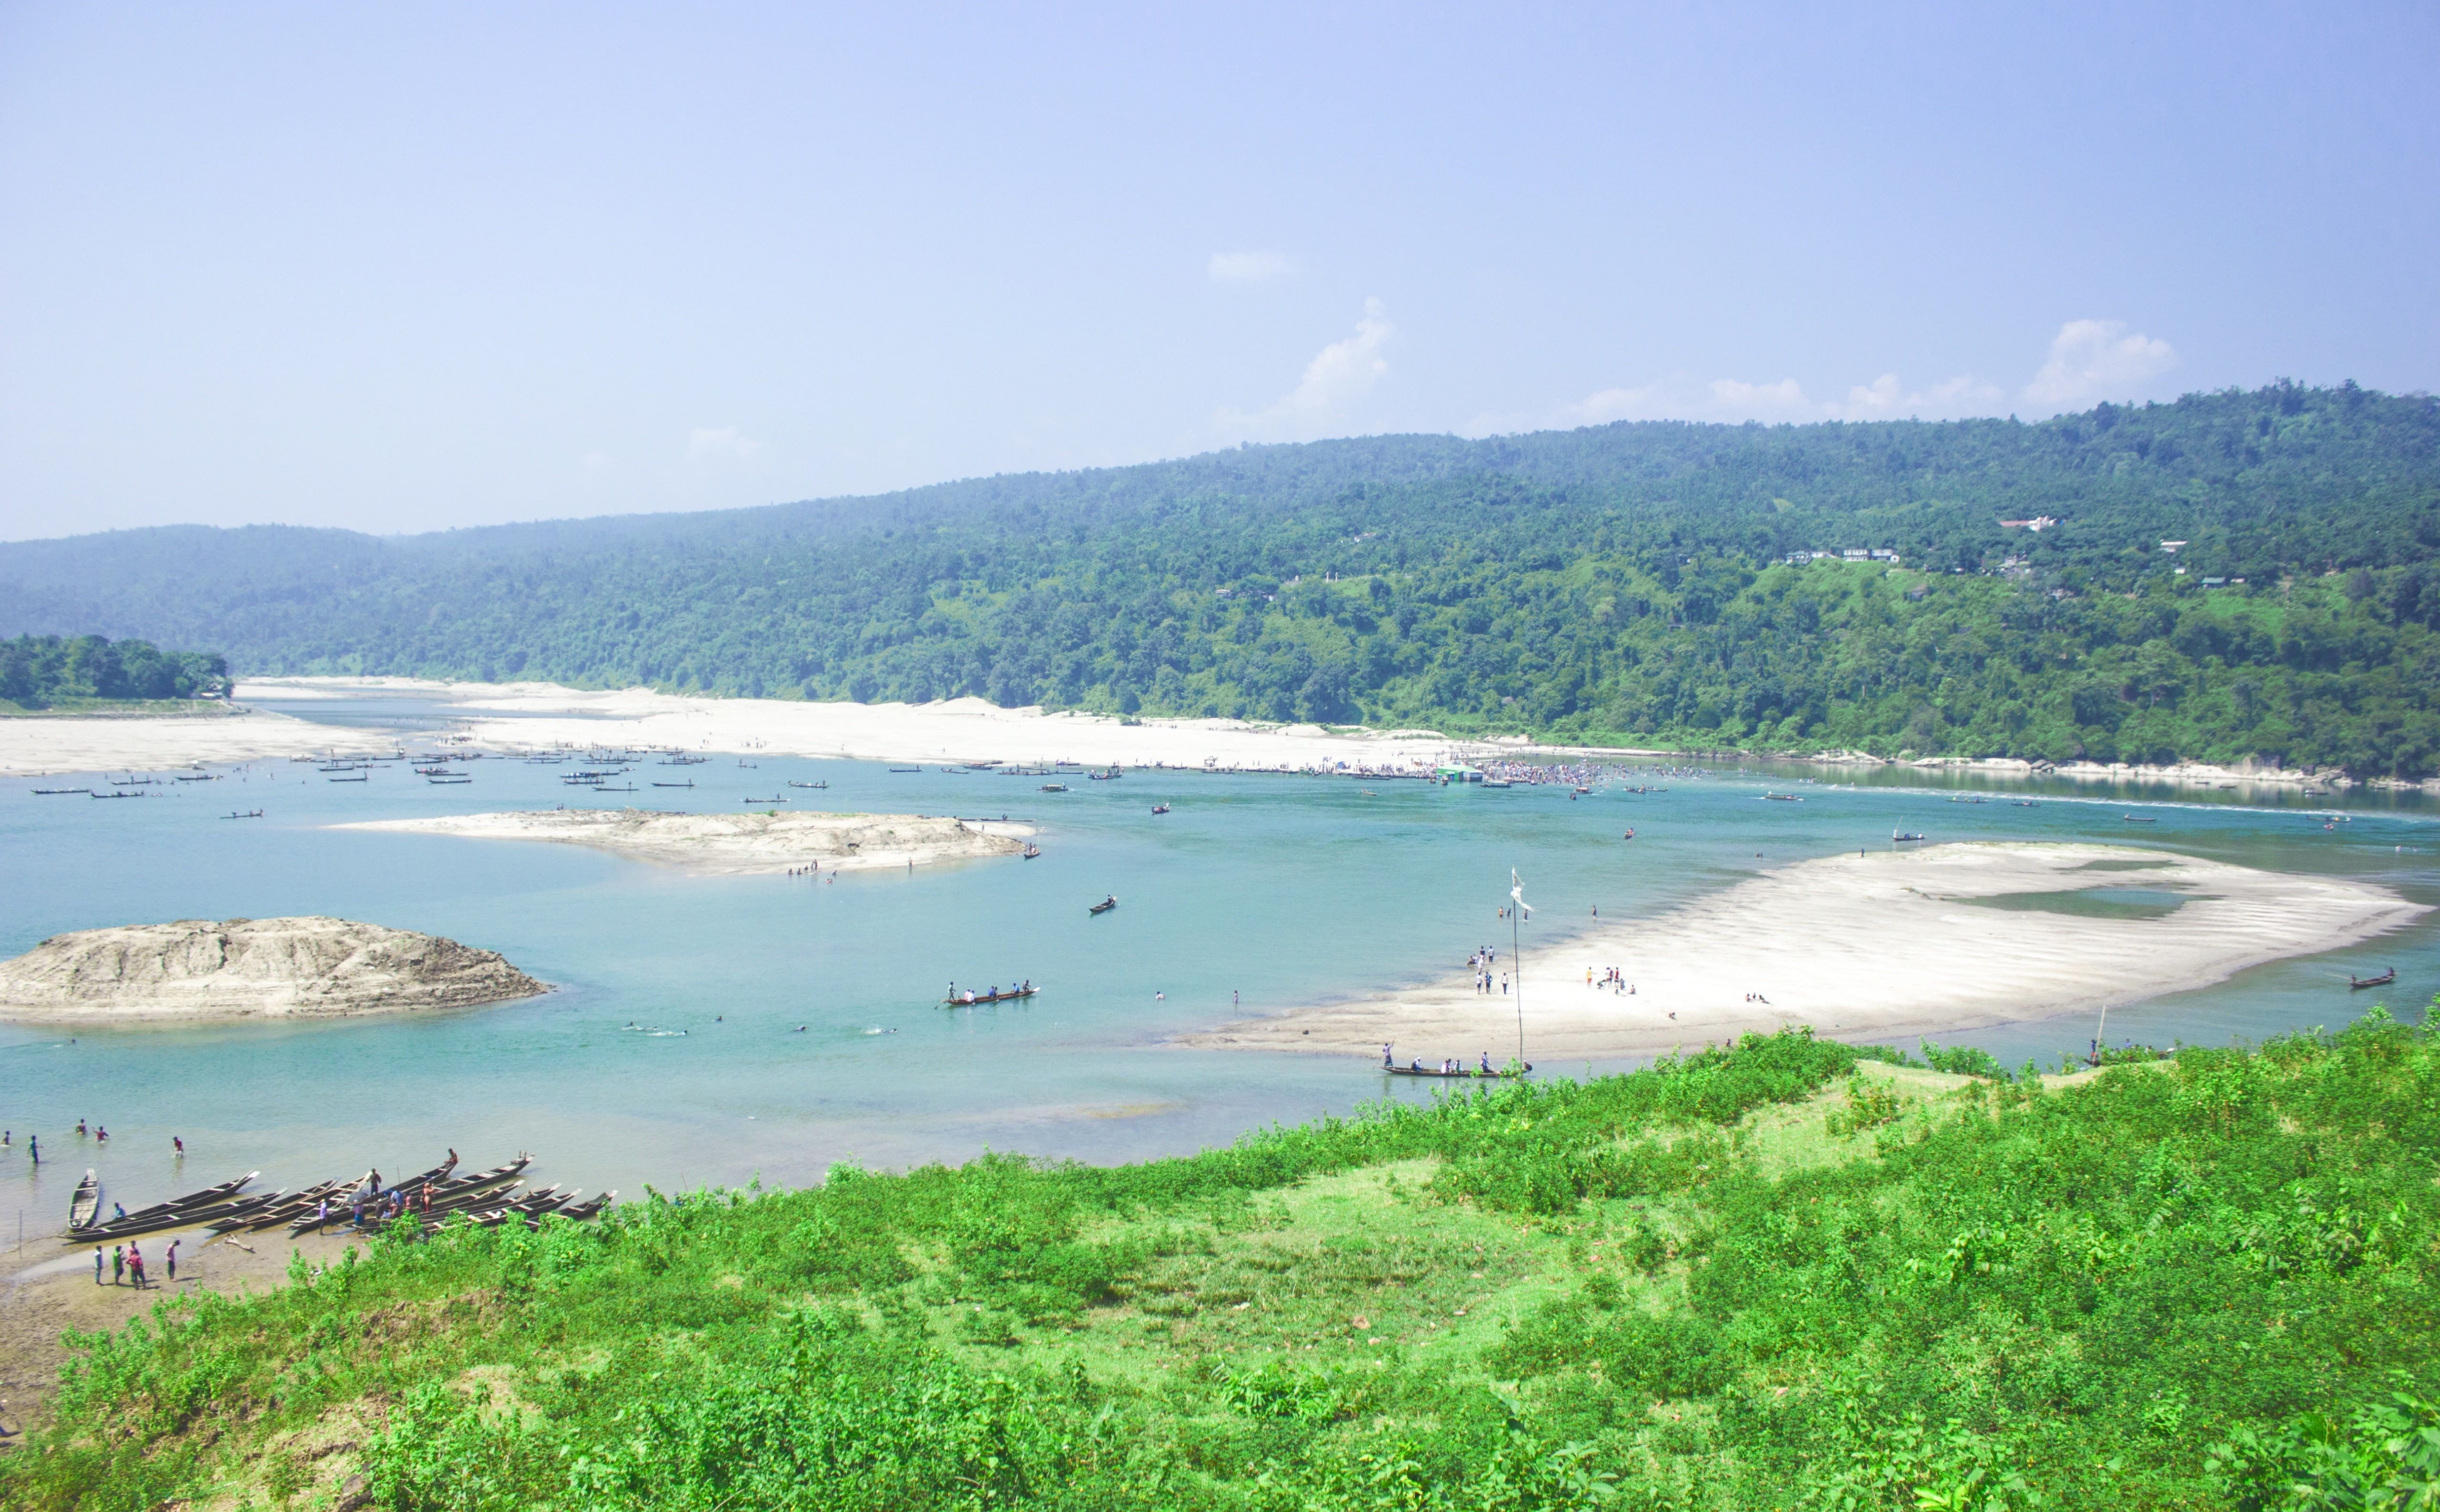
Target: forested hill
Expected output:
[1629,582]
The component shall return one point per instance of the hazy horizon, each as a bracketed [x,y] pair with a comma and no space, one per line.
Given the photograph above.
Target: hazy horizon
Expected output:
[399,273]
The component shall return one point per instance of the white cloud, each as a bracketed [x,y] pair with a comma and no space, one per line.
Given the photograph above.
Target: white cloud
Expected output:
[1339,374]
[728,442]
[1885,398]
[2092,360]
[1246,267]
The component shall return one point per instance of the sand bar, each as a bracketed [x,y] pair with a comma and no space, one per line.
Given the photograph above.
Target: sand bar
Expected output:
[517,716]
[1860,947]
[195,970]
[34,744]
[739,844]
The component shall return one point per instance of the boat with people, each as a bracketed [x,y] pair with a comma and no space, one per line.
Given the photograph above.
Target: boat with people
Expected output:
[178,1213]
[1781,798]
[1106,905]
[1054,787]
[2357,983]
[1903,837]
[252,813]
[60,792]
[1161,808]
[775,798]
[672,785]
[971,999]
[1030,852]
[139,795]
[1455,1071]
[2133,820]
[793,782]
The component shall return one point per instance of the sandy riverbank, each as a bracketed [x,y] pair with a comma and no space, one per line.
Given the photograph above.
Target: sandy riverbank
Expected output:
[739,844]
[1862,948]
[519,716]
[196,970]
[36,745]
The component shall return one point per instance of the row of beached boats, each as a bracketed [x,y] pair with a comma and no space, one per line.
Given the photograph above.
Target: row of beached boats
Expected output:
[483,1198]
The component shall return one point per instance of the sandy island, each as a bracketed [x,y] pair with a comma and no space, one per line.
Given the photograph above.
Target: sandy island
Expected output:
[1860,947]
[36,745]
[739,844]
[195,970]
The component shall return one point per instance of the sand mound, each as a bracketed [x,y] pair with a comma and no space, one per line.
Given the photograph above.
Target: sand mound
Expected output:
[739,843]
[250,968]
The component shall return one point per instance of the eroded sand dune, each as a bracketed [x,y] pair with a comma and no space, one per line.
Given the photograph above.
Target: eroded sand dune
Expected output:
[738,844]
[1860,946]
[250,968]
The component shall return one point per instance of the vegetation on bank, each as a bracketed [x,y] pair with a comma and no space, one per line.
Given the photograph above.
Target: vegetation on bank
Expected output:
[2234,575]
[53,672]
[1781,1276]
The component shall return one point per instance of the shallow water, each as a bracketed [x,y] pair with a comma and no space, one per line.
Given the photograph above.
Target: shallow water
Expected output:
[1253,892]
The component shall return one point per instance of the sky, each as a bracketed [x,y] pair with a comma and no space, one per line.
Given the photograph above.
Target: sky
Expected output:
[402,268]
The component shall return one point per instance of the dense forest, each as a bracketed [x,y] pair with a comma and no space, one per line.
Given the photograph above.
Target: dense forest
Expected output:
[1783,1274]
[44,672]
[2237,574]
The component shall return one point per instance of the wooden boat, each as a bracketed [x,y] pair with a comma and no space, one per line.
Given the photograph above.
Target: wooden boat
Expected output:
[252,813]
[1054,787]
[982,1000]
[1161,808]
[773,799]
[200,777]
[1461,1074]
[2355,983]
[456,782]
[2133,819]
[672,785]
[60,792]
[2021,802]
[824,783]
[84,1202]
[1904,835]
[1031,851]
[1781,798]
[579,1211]
[174,1214]
[906,769]
[365,779]
[1497,781]
[1104,905]
[139,795]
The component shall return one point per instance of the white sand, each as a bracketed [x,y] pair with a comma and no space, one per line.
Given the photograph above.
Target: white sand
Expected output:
[739,844]
[1860,947]
[195,970]
[33,744]
[957,729]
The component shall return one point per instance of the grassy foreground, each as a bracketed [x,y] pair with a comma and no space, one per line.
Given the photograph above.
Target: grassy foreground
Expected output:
[1781,1276]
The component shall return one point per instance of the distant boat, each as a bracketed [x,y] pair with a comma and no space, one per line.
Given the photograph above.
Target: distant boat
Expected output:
[793,782]
[773,799]
[364,779]
[977,1000]
[906,769]
[1161,808]
[1054,787]
[252,813]
[2020,803]
[2356,982]
[2133,819]
[1903,835]
[1106,905]
[1497,781]
[674,784]
[1781,798]
[200,777]
[1110,776]
[1031,851]
[1462,1072]
[60,792]
[139,795]
[456,782]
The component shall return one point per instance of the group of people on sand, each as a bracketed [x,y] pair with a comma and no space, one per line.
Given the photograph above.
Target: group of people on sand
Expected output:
[127,1264]
[1612,978]
[1482,962]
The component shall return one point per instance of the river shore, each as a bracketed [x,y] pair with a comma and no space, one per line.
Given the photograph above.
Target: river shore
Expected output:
[39,744]
[1865,948]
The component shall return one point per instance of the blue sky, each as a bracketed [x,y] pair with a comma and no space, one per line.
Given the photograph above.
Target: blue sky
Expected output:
[399,268]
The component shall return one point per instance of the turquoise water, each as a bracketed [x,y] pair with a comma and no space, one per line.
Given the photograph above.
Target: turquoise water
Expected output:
[1253,892]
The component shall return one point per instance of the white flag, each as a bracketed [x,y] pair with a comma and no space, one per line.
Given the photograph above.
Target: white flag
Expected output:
[1517,893]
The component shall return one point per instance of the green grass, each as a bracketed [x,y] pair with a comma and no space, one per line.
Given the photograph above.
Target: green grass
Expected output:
[1777,1276]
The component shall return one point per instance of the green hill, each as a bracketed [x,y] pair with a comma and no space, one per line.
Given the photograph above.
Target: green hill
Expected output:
[1780,1276]
[1625,584]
